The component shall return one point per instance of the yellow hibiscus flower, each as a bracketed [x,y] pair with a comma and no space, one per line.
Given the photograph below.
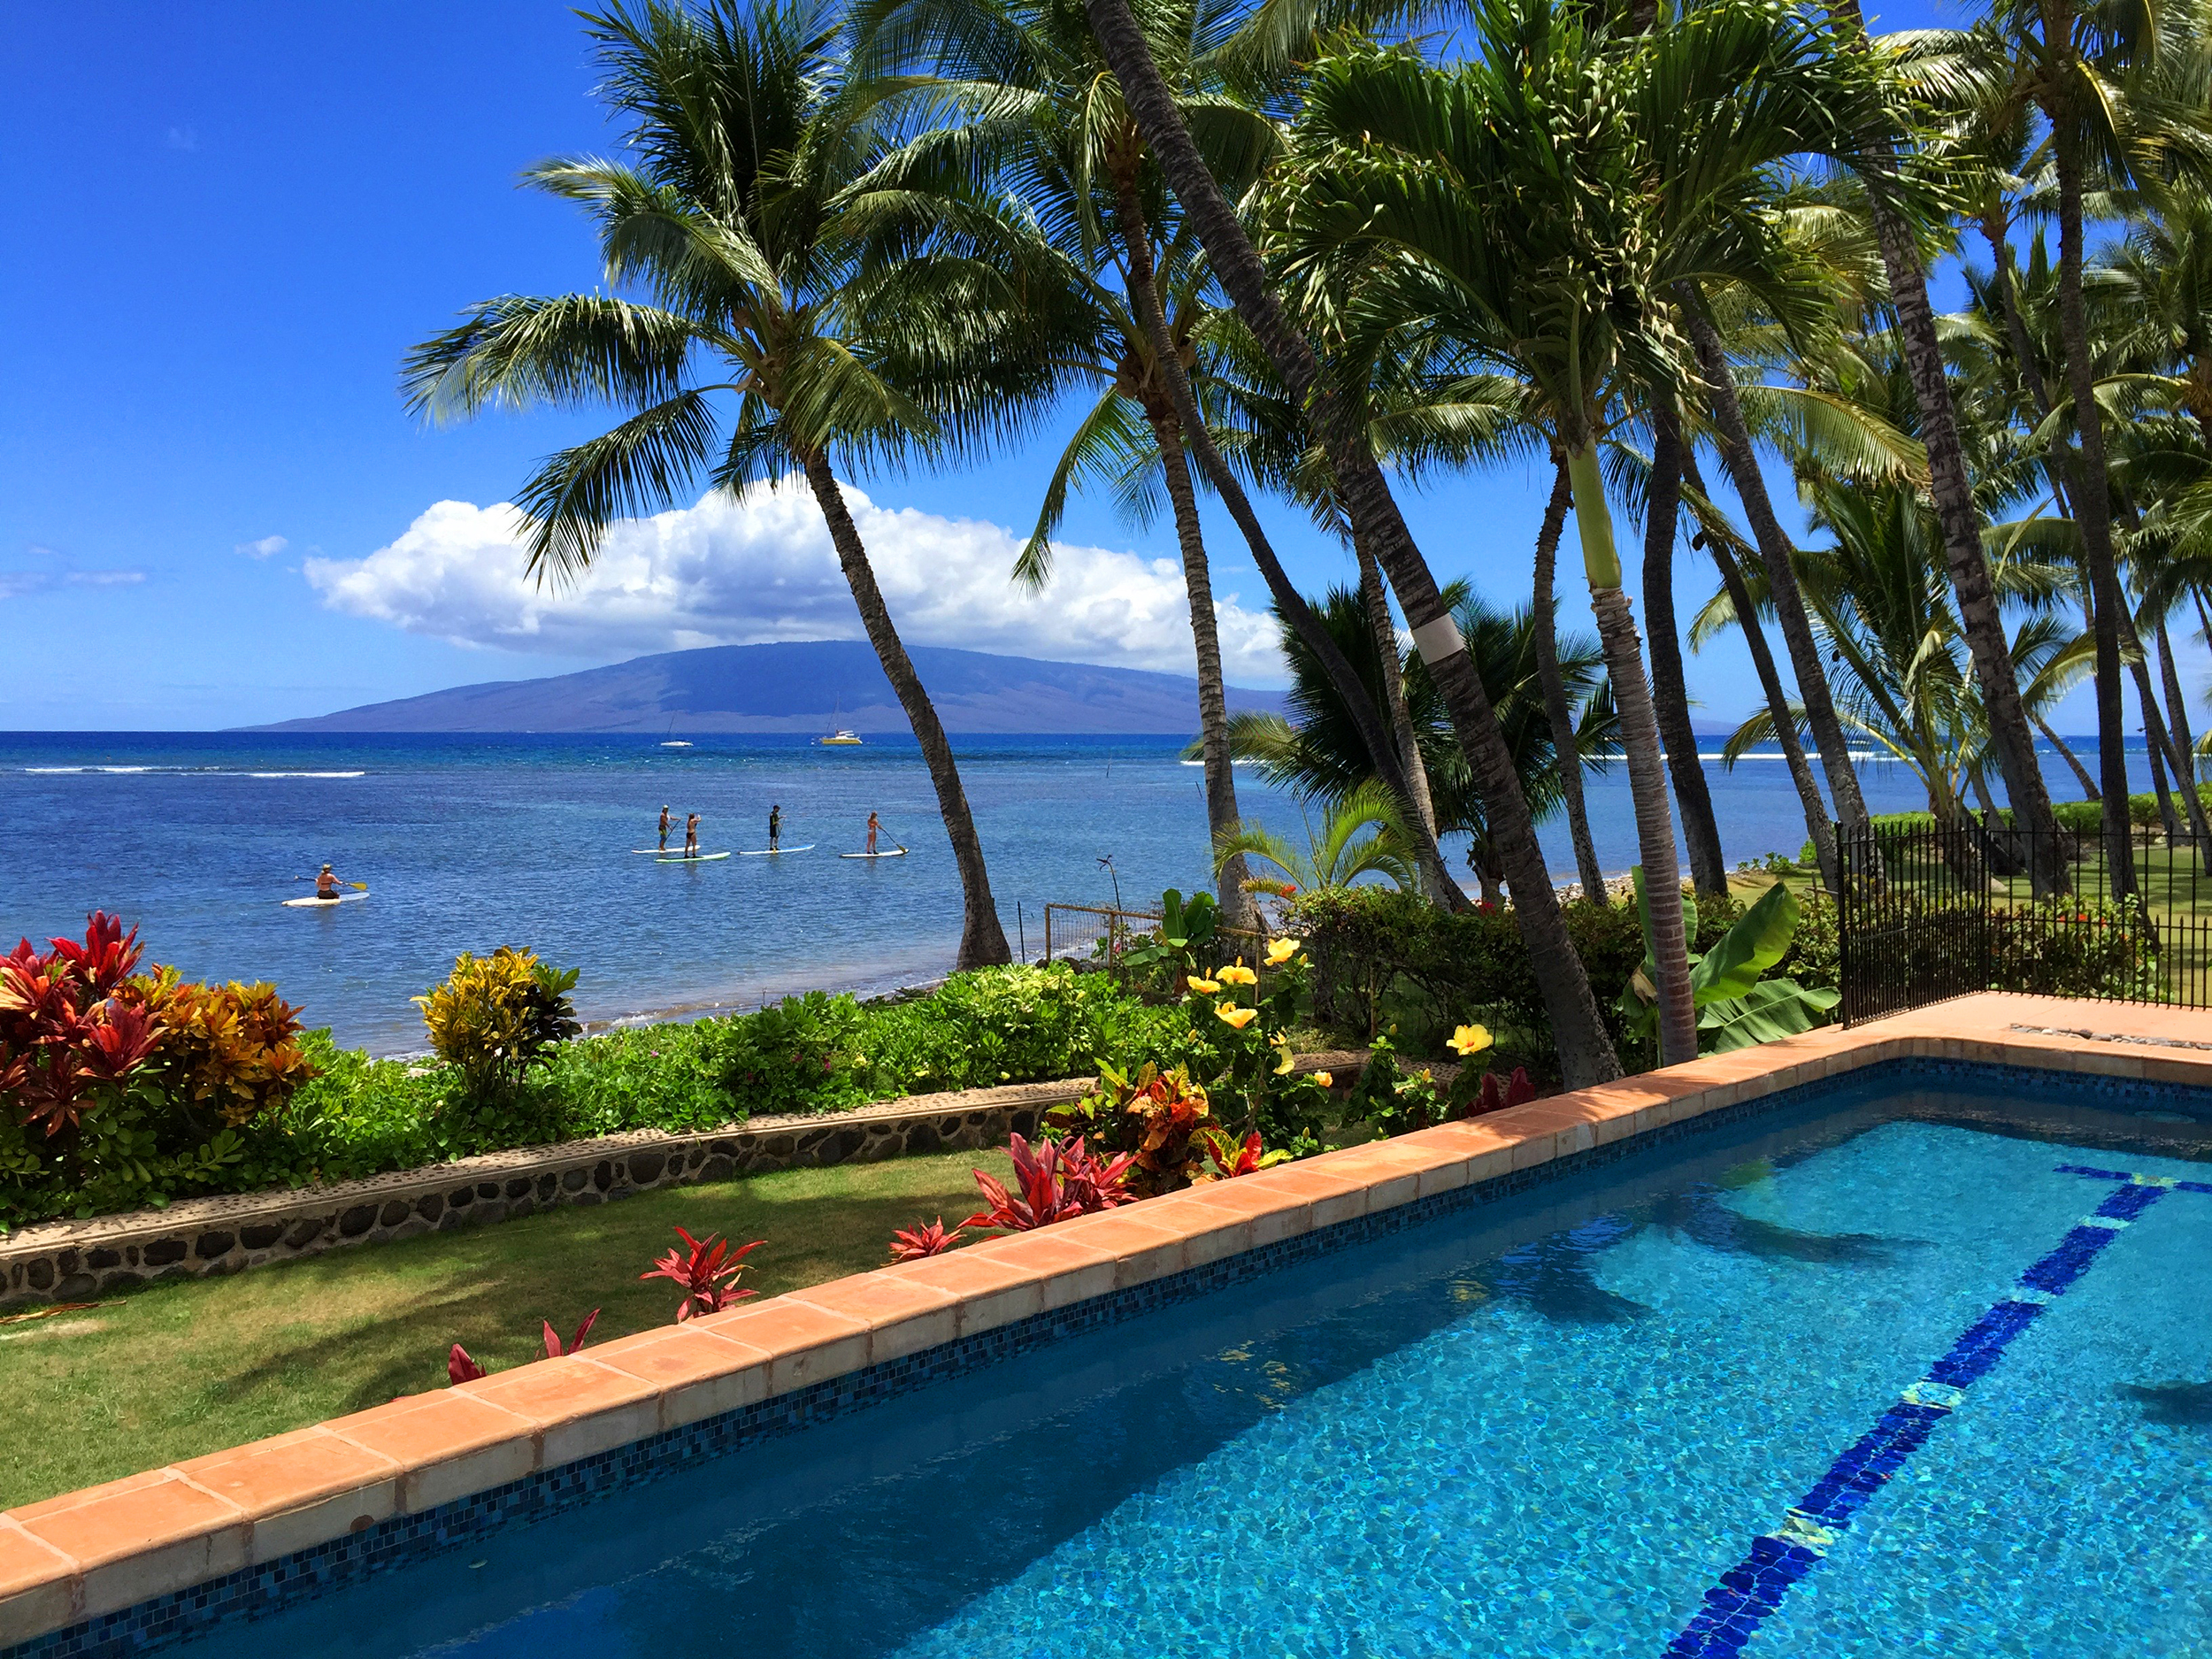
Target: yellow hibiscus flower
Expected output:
[1280,951]
[1204,987]
[1237,973]
[1283,1065]
[1230,1014]
[1325,1079]
[1468,1039]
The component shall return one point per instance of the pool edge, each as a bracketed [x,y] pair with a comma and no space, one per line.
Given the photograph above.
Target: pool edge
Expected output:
[140,1562]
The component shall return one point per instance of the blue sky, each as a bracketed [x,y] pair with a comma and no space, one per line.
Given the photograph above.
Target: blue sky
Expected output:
[233,220]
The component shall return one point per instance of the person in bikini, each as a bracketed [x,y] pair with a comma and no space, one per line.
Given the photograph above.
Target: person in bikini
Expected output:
[691,836]
[873,826]
[326,885]
[664,829]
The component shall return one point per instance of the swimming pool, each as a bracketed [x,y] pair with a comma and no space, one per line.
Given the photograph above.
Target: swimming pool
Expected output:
[1919,1363]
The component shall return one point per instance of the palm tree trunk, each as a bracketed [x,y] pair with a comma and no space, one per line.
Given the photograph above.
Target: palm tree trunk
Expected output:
[2156,751]
[1586,1052]
[1376,605]
[2176,707]
[1566,747]
[2081,772]
[1436,876]
[1647,768]
[1670,695]
[1952,491]
[1237,909]
[982,940]
[1775,553]
[1819,829]
[2092,515]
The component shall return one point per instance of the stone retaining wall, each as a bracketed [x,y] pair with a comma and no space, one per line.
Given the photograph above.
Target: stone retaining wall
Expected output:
[71,1261]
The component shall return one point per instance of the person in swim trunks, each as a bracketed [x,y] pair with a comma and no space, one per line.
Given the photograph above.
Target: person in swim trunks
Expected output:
[691,836]
[873,826]
[326,885]
[775,826]
[663,828]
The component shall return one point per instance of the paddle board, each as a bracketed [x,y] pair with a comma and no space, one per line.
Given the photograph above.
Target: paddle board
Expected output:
[776,852]
[318,904]
[695,858]
[899,853]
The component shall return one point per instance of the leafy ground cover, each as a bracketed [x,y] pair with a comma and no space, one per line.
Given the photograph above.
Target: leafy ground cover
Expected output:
[178,1369]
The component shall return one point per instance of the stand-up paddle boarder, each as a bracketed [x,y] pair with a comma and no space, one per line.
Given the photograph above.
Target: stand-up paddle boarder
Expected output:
[691,836]
[873,826]
[664,846]
[326,885]
[775,826]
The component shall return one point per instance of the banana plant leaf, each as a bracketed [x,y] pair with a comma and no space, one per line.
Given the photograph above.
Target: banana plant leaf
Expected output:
[1770,1009]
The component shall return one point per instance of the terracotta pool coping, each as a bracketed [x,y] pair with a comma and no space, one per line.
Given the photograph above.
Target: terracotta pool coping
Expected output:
[85,1553]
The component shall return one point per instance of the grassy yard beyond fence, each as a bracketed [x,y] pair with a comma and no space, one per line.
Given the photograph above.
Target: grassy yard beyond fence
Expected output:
[179,1370]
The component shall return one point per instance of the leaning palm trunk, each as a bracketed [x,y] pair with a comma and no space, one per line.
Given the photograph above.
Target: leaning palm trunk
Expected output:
[1818,827]
[1586,1052]
[2161,742]
[1376,605]
[2081,772]
[1774,553]
[1952,488]
[982,940]
[1429,859]
[2092,515]
[1213,701]
[2176,708]
[1670,695]
[1647,767]
[1565,746]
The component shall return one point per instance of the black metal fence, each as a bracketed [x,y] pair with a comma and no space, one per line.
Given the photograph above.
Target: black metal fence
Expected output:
[1930,912]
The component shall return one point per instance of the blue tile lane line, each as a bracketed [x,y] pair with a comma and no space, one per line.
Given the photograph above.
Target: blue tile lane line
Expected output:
[1754,1588]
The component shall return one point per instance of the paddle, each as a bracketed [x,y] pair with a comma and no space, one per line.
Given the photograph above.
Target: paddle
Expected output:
[358,886]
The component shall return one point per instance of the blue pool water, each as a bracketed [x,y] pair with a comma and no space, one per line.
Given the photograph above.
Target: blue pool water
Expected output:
[1549,1426]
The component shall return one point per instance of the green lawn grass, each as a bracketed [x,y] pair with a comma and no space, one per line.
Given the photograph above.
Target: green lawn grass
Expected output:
[174,1370]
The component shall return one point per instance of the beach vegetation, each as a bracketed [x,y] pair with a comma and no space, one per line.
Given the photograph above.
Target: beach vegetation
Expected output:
[1736,1005]
[496,1016]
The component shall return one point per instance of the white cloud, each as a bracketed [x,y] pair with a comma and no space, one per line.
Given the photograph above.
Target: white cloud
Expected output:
[729,572]
[20,584]
[264,547]
[182,138]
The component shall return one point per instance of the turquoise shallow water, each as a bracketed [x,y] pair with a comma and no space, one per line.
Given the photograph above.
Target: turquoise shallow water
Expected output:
[469,842]
[1550,1427]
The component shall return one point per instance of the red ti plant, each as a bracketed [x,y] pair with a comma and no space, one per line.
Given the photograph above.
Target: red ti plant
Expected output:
[459,1368]
[1058,1183]
[553,1348]
[912,1244]
[708,1274]
[71,1023]
[1499,1093]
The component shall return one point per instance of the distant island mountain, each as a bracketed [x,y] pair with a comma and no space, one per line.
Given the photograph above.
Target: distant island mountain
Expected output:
[802,687]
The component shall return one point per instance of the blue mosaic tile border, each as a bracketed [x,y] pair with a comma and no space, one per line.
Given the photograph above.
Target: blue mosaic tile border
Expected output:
[401,1540]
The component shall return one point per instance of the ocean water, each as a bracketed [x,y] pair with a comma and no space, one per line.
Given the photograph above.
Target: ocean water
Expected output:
[1554,1426]
[468,842]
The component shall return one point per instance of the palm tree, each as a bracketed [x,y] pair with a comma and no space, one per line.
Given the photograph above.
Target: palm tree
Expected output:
[1558,708]
[1314,752]
[1027,114]
[1585,1051]
[1670,690]
[1338,853]
[2092,70]
[1507,201]
[1875,155]
[737,220]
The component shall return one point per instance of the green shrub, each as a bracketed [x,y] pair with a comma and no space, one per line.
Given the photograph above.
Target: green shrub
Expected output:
[1367,941]
[496,1016]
